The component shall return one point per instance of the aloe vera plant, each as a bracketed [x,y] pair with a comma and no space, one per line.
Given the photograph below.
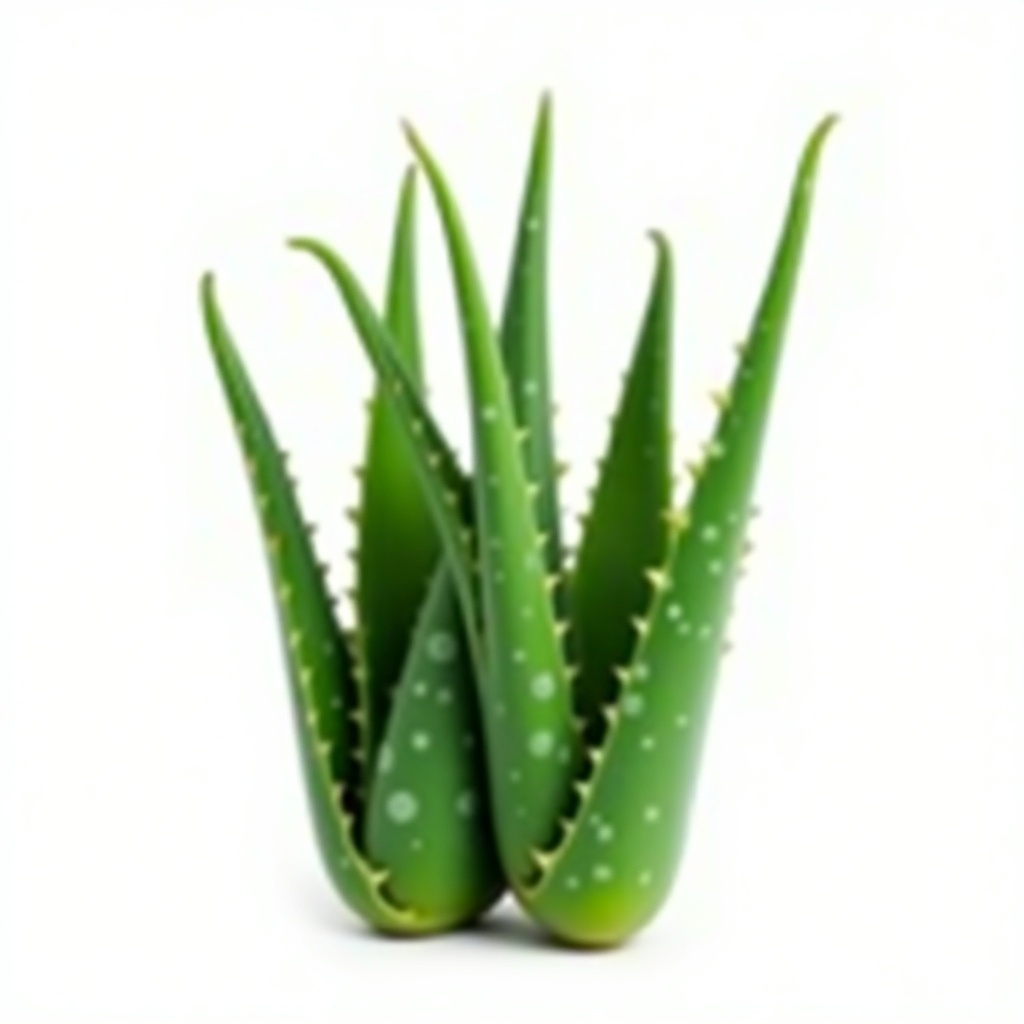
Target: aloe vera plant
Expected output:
[502,713]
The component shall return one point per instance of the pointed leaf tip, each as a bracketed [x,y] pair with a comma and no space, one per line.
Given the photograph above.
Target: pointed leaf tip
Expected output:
[660,240]
[412,136]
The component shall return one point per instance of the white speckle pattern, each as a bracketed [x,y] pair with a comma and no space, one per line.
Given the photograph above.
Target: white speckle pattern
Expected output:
[642,671]
[529,387]
[542,743]
[652,814]
[647,743]
[489,413]
[709,534]
[445,696]
[533,224]
[465,803]
[519,656]
[674,612]
[684,628]
[416,844]
[420,741]
[715,567]
[543,686]
[402,807]
[682,721]
[603,873]
[515,776]
[645,878]
[572,882]
[441,647]
[386,759]
[633,704]
[704,632]
[605,834]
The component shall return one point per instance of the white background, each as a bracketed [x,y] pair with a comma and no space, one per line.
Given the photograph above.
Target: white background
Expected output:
[856,852]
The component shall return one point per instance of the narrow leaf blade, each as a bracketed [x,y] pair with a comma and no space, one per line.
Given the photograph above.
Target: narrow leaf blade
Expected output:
[444,485]
[395,527]
[524,343]
[626,532]
[323,693]
[533,745]
[643,788]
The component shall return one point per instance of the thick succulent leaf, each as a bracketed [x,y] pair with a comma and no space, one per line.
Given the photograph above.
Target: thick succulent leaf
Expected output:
[429,816]
[524,345]
[324,697]
[618,861]
[444,485]
[395,527]
[626,531]
[533,746]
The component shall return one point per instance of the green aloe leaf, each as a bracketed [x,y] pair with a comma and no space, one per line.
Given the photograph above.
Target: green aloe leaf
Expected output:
[395,528]
[524,345]
[616,866]
[626,532]
[445,486]
[429,812]
[324,696]
[533,745]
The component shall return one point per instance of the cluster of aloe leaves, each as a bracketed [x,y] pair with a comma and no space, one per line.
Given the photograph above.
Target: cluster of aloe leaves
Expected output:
[502,713]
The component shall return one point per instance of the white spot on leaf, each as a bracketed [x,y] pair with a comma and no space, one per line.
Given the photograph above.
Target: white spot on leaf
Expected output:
[543,686]
[402,807]
[633,704]
[441,647]
[542,743]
